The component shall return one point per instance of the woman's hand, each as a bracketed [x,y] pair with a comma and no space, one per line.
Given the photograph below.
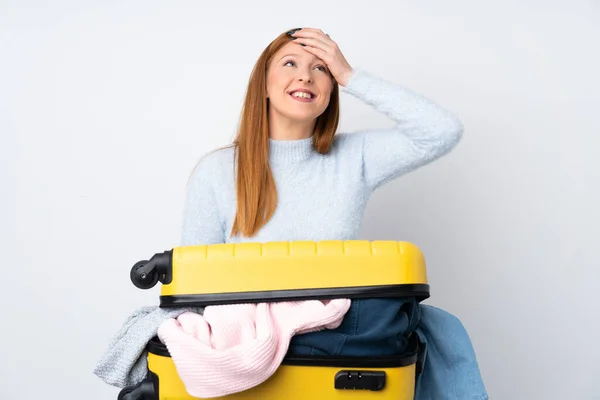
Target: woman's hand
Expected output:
[315,41]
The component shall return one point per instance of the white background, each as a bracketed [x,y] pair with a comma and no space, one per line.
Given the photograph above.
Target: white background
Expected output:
[106,107]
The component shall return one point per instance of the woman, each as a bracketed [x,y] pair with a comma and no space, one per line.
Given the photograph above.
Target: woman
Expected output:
[288,176]
[295,179]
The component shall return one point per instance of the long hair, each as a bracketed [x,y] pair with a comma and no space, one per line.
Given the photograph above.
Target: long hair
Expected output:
[255,186]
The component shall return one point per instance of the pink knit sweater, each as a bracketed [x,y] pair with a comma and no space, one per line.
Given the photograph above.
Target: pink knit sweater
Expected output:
[232,348]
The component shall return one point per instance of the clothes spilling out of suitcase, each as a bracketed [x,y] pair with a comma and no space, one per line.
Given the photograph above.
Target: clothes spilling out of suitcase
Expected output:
[290,320]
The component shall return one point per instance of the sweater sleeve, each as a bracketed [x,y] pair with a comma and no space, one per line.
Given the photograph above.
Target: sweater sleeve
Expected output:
[201,223]
[423,131]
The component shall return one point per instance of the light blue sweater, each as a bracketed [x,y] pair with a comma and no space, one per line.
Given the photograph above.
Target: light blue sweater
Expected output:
[323,197]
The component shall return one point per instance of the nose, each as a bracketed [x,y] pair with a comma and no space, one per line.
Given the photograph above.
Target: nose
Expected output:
[305,77]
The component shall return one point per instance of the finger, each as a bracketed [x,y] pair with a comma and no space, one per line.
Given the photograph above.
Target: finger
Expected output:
[317,43]
[312,33]
[319,53]
[308,29]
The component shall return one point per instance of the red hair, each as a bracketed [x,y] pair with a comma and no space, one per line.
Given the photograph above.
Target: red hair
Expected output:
[255,186]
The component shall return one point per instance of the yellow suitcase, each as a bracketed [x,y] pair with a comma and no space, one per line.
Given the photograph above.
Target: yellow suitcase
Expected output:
[206,275]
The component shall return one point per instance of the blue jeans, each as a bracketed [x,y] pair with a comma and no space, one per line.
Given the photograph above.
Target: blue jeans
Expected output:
[380,327]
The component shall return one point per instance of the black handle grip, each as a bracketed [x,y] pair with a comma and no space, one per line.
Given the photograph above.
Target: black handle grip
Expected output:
[143,391]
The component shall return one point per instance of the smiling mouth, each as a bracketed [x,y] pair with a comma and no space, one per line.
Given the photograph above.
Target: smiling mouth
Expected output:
[303,97]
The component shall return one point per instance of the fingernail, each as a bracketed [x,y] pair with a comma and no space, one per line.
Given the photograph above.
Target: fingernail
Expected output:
[289,33]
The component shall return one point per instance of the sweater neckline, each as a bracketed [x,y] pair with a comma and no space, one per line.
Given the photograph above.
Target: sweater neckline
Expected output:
[290,151]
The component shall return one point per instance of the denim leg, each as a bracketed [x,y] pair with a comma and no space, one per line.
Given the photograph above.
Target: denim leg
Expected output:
[450,368]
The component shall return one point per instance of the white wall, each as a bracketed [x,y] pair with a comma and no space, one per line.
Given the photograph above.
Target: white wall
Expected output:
[105,108]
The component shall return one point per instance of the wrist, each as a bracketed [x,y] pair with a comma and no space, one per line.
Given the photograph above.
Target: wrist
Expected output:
[346,76]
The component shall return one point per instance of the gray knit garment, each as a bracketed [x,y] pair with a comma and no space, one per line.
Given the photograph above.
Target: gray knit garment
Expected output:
[323,197]
[124,363]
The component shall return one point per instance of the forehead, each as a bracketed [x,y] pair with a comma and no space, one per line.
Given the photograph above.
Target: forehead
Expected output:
[295,50]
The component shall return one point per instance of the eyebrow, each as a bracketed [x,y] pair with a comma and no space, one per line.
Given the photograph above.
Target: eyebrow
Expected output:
[287,55]
[294,54]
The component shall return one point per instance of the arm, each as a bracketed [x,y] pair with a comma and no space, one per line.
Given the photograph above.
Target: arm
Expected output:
[201,222]
[423,131]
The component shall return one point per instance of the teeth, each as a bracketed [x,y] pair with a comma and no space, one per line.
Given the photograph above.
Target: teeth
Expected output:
[302,94]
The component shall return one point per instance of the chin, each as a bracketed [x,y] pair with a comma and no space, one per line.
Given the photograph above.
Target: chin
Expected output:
[305,117]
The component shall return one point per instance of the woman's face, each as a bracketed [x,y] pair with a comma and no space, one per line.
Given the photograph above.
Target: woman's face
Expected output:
[293,69]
